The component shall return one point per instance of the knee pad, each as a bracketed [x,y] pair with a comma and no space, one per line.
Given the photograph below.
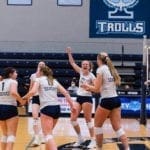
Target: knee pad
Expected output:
[120,132]
[4,139]
[90,125]
[98,130]
[74,123]
[11,139]
[48,137]
[35,121]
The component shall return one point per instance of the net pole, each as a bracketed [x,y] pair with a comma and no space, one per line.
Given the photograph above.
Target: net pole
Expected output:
[147,65]
[143,86]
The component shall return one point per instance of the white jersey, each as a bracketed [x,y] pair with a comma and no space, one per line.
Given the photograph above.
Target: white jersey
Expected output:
[5,97]
[47,92]
[85,79]
[33,78]
[108,88]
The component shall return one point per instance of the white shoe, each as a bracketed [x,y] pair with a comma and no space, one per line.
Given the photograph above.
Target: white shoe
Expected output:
[78,143]
[36,141]
[92,144]
[42,140]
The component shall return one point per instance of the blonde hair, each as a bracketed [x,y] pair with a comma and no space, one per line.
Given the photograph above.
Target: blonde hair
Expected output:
[106,60]
[47,72]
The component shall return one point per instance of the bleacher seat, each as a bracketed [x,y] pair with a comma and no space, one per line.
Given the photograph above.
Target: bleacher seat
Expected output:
[26,64]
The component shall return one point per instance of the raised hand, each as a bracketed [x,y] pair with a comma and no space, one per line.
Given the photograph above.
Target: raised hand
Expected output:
[68,50]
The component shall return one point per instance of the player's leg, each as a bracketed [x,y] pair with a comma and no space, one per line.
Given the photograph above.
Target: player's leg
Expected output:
[47,126]
[12,124]
[115,117]
[36,121]
[75,124]
[100,117]
[87,109]
[4,135]
[49,117]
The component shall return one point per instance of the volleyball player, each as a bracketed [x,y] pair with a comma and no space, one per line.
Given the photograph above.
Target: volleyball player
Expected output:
[110,104]
[84,99]
[47,87]
[8,108]
[38,139]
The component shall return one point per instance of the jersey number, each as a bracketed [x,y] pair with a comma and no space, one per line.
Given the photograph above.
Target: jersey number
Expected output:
[3,86]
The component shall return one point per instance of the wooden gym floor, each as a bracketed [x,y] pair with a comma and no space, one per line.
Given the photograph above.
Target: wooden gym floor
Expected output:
[64,133]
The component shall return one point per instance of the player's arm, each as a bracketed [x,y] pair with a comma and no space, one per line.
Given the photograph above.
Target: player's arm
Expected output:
[15,94]
[93,78]
[31,84]
[66,94]
[147,82]
[72,61]
[32,91]
[97,84]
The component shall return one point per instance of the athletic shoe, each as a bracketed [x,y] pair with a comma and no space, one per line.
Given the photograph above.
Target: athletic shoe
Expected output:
[92,144]
[78,143]
[43,140]
[36,141]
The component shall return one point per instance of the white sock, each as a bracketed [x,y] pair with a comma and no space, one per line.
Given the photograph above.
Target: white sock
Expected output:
[36,135]
[80,137]
[92,138]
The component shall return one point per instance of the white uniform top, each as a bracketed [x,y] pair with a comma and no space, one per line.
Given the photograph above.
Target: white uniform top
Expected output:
[85,79]
[33,78]
[108,88]
[47,92]
[5,97]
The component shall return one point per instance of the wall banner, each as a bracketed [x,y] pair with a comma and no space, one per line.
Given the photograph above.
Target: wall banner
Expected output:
[119,18]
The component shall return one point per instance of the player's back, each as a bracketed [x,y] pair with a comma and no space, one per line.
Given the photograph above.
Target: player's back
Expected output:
[5,97]
[48,91]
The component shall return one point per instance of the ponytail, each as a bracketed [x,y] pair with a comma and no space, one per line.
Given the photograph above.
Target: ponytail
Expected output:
[106,60]
[49,73]
[113,71]
[50,79]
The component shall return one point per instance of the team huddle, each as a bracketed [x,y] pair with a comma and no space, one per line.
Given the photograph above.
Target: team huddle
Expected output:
[43,93]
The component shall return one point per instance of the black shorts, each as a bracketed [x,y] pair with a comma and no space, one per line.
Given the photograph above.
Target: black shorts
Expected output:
[84,99]
[36,100]
[110,103]
[8,111]
[52,111]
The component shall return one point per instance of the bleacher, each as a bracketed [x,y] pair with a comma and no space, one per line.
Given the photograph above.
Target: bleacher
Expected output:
[128,65]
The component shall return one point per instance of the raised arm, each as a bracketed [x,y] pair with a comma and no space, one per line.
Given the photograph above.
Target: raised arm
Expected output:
[71,60]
